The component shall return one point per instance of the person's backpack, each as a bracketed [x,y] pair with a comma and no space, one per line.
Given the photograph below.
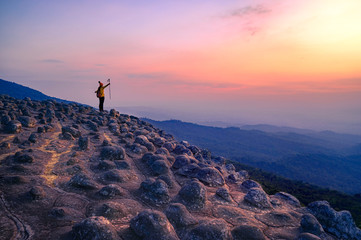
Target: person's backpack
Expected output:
[98,93]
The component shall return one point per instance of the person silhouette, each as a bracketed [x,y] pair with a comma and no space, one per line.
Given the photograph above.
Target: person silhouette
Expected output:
[100,95]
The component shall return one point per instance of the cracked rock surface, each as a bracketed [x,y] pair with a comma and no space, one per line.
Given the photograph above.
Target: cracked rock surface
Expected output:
[70,172]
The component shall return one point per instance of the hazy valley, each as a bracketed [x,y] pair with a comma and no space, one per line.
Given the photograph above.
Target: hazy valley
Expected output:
[326,159]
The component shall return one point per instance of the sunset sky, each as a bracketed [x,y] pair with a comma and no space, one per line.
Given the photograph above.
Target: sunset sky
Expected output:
[282,62]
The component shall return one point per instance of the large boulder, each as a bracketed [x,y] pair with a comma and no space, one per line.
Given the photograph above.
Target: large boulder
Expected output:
[115,175]
[111,191]
[153,225]
[210,176]
[143,140]
[154,191]
[114,128]
[290,199]
[83,143]
[340,223]
[158,141]
[194,149]
[179,216]
[193,195]
[224,194]
[93,126]
[159,167]
[5,119]
[13,127]
[27,121]
[169,146]
[112,153]
[181,149]
[138,149]
[162,151]
[190,170]
[257,198]
[210,230]
[94,228]
[23,157]
[33,138]
[310,224]
[237,176]
[106,165]
[180,161]
[247,232]
[73,131]
[82,181]
[248,184]
[112,210]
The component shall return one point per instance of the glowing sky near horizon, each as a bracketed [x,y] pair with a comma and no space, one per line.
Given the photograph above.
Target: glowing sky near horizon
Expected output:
[285,62]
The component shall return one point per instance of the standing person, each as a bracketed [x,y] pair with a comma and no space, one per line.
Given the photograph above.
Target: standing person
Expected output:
[100,95]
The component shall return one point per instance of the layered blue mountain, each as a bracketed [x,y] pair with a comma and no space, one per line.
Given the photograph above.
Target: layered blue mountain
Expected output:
[327,159]
[20,92]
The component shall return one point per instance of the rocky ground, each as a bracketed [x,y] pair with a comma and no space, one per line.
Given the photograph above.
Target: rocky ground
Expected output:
[70,172]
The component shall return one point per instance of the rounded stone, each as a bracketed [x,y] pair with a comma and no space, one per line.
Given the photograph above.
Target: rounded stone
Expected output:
[106,165]
[111,191]
[73,131]
[159,167]
[210,176]
[247,232]
[94,228]
[112,153]
[83,143]
[310,224]
[33,138]
[13,127]
[193,195]
[180,161]
[23,157]
[210,230]
[179,216]
[27,121]
[290,199]
[248,184]
[82,181]
[224,194]
[151,225]
[154,191]
[258,198]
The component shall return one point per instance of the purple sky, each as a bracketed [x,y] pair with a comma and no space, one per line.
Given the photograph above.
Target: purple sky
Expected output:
[295,63]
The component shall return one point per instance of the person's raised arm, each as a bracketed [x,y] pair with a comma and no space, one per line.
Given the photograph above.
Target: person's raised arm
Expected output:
[107,85]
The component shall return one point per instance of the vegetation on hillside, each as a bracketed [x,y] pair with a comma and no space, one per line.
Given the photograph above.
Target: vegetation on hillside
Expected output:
[305,192]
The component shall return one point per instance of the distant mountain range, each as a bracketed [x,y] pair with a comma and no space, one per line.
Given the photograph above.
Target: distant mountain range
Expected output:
[20,92]
[325,158]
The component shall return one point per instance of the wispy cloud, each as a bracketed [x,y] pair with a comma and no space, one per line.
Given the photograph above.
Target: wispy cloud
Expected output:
[146,75]
[100,65]
[201,84]
[249,10]
[305,87]
[169,80]
[249,18]
[51,61]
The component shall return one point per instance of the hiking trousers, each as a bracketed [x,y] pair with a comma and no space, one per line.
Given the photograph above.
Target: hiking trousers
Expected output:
[101,104]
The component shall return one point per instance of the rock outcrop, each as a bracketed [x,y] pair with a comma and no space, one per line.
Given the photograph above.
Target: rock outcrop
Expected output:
[70,172]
